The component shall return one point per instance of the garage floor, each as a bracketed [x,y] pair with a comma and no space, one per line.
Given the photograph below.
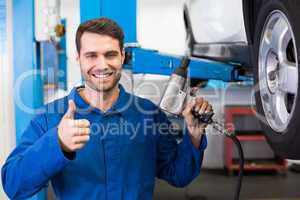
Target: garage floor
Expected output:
[217,185]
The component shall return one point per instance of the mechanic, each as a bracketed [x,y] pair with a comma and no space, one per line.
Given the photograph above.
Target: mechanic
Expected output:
[100,142]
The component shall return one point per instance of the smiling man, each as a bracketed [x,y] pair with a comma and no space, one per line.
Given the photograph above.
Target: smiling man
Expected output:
[79,143]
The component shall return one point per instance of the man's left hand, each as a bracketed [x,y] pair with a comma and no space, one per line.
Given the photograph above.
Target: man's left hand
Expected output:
[195,127]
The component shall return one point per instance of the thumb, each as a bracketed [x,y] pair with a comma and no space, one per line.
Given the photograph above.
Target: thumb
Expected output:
[71,110]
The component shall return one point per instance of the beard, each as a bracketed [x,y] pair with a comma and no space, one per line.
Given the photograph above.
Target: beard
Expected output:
[102,86]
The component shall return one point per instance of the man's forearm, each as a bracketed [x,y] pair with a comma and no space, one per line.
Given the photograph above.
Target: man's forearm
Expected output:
[30,166]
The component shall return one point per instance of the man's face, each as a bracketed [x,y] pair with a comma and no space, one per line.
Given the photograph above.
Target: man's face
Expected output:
[101,60]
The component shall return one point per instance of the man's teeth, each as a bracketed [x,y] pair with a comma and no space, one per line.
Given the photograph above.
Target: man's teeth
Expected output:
[102,75]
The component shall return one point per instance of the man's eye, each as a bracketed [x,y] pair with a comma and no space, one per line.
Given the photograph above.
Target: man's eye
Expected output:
[91,56]
[111,55]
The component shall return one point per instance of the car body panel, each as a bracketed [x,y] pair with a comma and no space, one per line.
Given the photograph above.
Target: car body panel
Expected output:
[217,21]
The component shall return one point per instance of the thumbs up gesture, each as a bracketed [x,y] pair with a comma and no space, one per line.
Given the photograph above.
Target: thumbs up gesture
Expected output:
[73,134]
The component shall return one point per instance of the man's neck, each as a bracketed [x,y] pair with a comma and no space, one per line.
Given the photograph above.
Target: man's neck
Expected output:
[100,100]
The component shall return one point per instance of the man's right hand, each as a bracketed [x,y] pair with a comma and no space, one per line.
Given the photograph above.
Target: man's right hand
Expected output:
[73,134]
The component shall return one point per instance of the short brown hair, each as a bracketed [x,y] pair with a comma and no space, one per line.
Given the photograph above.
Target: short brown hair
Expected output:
[102,26]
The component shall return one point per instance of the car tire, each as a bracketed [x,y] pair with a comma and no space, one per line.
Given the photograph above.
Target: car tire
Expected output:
[276,55]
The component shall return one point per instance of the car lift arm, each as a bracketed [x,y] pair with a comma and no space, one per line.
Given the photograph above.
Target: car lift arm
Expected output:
[147,61]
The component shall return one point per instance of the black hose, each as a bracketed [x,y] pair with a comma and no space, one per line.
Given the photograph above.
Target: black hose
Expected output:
[236,141]
[207,118]
[241,164]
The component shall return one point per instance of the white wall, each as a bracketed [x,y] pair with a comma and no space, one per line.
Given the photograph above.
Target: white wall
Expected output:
[7,120]
[160,25]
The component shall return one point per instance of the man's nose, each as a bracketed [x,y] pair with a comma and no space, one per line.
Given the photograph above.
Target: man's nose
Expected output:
[101,62]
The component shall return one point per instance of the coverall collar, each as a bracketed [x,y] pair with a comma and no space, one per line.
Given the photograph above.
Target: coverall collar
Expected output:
[121,106]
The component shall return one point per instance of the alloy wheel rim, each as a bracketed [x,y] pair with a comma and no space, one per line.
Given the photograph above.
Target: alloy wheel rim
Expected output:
[278,71]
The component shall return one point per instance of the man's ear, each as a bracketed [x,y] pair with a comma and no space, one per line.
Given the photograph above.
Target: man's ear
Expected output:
[123,56]
[77,56]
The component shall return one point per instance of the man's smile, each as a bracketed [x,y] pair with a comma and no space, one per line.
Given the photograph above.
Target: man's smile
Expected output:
[99,74]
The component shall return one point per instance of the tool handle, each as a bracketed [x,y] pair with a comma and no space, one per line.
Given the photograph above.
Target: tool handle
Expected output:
[205,117]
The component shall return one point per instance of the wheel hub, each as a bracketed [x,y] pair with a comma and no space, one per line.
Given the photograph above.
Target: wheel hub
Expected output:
[272,72]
